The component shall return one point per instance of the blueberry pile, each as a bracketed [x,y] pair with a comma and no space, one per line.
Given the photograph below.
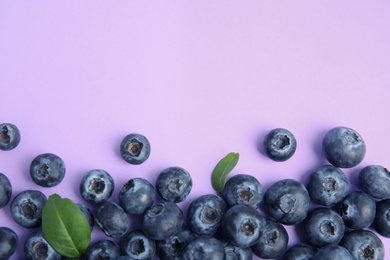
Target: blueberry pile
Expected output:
[223,226]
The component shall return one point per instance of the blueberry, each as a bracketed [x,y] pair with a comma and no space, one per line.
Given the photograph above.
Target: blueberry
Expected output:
[137,245]
[204,248]
[243,189]
[343,147]
[5,190]
[358,210]
[135,148]
[204,215]
[96,186]
[9,136]
[363,244]
[37,248]
[137,196]
[171,248]
[287,201]
[162,220]
[26,208]
[104,250]
[324,226]
[328,185]
[88,215]
[273,241]
[300,251]
[333,252]
[243,225]
[8,242]
[382,218]
[112,219]
[47,170]
[174,184]
[280,144]
[375,180]
[234,252]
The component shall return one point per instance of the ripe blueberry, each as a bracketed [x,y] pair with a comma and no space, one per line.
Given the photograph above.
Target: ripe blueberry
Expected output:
[47,170]
[37,248]
[300,251]
[174,184]
[137,196]
[5,190]
[333,251]
[204,248]
[96,186]
[235,252]
[8,242]
[88,215]
[26,208]
[9,136]
[363,244]
[103,249]
[382,218]
[135,148]
[280,144]
[112,219]
[171,248]
[375,180]
[138,246]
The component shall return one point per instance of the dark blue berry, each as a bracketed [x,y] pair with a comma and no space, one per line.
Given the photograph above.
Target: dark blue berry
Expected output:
[363,244]
[88,215]
[243,189]
[47,170]
[287,201]
[9,136]
[234,252]
[138,246]
[5,190]
[103,249]
[137,196]
[375,180]
[8,242]
[37,248]
[204,215]
[171,248]
[300,251]
[382,218]
[26,208]
[333,252]
[343,147]
[96,186]
[280,144]
[204,248]
[135,148]
[174,184]
[162,220]
[112,219]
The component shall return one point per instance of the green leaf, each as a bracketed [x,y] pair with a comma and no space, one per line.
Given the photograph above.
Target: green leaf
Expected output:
[222,170]
[65,227]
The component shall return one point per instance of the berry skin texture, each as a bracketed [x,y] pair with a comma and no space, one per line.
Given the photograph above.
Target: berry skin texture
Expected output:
[162,221]
[287,201]
[9,136]
[138,246]
[135,148]
[103,249]
[382,218]
[280,144]
[8,242]
[324,226]
[204,248]
[375,180]
[171,248]
[174,184]
[300,251]
[333,252]
[243,225]
[37,248]
[112,219]
[47,170]
[273,241]
[358,210]
[204,215]
[5,190]
[235,252]
[363,244]
[26,208]
[137,196]
[343,147]
[328,185]
[243,189]
[96,186]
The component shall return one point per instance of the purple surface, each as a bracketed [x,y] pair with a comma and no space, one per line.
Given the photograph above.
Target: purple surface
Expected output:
[199,79]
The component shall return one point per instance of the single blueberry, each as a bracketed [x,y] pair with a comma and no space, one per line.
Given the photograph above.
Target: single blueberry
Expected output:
[300,251]
[162,220]
[358,210]
[135,148]
[137,196]
[287,201]
[37,248]
[333,252]
[280,144]
[26,208]
[382,218]
[174,184]
[112,219]
[204,215]
[138,246]
[9,136]
[324,226]
[47,170]
[103,249]
[8,242]
[363,244]
[234,252]
[328,185]
[375,180]
[88,215]
[204,248]
[343,147]
[273,241]
[5,190]
[243,189]
[96,186]
[171,248]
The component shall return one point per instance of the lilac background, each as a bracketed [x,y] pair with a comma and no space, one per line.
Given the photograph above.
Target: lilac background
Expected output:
[200,79]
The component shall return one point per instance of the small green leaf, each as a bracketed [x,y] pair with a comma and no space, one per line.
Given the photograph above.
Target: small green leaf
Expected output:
[65,227]
[222,170]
